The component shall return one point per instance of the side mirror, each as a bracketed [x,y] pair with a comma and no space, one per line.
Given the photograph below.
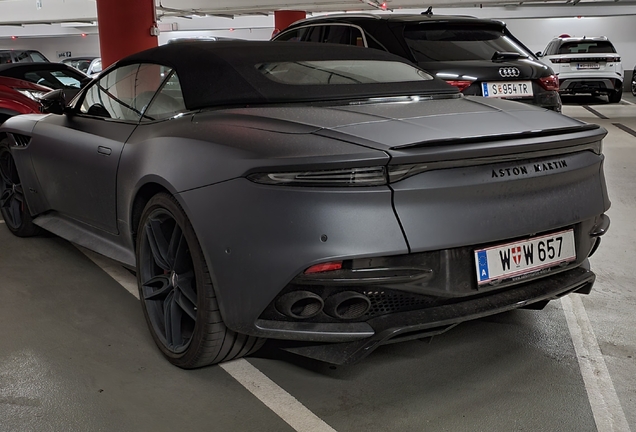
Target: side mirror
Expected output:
[53,102]
[538,54]
[85,81]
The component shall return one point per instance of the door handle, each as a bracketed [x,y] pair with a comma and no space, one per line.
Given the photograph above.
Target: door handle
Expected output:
[104,150]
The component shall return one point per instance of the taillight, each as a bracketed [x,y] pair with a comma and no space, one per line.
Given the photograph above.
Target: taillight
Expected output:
[367,176]
[549,83]
[460,84]
[324,267]
[560,60]
[613,59]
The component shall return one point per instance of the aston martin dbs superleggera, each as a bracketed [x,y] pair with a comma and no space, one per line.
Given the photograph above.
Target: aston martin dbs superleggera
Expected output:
[338,197]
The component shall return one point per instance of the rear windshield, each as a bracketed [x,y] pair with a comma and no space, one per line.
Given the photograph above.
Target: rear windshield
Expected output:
[586,47]
[448,43]
[331,72]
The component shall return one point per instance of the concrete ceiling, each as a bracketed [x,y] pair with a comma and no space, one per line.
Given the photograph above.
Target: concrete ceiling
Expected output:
[25,12]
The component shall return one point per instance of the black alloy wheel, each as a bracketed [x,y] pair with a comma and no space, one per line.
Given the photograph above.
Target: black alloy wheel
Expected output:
[13,205]
[177,294]
[634,82]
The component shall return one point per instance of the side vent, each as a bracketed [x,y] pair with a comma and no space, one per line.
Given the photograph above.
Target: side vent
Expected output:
[21,140]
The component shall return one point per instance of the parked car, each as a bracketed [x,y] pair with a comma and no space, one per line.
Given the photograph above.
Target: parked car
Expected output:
[21,56]
[479,56]
[19,97]
[52,75]
[586,65]
[342,198]
[91,66]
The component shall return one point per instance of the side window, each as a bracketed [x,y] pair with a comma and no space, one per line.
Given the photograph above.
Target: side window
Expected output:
[314,34]
[37,57]
[293,35]
[124,93]
[549,50]
[337,34]
[168,101]
[22,56]
[5,57]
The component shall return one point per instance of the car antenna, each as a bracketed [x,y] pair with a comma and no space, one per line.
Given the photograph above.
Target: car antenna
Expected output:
[429,11]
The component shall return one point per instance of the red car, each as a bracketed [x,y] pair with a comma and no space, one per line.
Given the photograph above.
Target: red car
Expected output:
[19,97]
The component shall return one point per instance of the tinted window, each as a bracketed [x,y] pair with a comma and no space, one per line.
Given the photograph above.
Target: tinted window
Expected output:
[5,57]
[54,79]
[124,93]
[448,43]
[314,34]
[585,47]
[341,72]
[342,34]
[292,35]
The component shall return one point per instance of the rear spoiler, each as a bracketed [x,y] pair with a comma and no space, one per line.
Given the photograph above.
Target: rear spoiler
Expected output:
[500,137]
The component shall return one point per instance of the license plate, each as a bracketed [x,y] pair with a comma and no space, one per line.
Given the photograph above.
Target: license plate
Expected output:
[503,89]
[523,257]
[588,66]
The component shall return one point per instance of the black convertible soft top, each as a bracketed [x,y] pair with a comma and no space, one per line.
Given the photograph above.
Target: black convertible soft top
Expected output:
[225,73]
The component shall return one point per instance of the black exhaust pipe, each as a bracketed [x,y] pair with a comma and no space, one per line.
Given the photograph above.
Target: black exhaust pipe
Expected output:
[347,305]
[300,304]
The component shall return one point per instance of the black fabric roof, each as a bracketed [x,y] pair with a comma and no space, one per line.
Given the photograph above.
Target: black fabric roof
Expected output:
[224,73]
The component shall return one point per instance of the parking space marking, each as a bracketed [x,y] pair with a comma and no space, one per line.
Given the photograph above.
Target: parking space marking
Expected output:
[606,407]
[596,113]
[267,391]
[275,398]
[627,102]
[624,128]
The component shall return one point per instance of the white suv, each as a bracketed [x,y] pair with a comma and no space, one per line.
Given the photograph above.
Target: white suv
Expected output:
[585,65]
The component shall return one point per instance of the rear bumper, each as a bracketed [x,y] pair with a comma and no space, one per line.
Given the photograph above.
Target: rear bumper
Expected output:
[432,321]
[589,85]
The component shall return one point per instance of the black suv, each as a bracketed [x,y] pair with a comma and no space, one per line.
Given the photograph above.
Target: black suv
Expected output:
[479,56]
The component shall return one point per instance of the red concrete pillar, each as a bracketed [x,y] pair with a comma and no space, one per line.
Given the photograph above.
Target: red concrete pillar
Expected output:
[283,18]
[125,28]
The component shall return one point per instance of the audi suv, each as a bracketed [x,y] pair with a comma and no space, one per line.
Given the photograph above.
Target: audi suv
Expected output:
[479,56]
[586,65]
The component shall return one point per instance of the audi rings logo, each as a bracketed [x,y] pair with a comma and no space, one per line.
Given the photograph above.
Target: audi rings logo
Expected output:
[509,72]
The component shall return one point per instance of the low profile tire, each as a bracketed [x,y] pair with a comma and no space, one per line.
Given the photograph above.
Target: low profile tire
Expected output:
[13,205]
[616,96]
[177,294]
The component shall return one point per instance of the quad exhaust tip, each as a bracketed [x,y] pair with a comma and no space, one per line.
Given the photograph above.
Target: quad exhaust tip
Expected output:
[300,304]
[347,305]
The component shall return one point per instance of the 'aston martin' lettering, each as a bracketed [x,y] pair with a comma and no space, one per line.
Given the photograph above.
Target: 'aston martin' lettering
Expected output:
[547,166]
[508,172]
[522,170]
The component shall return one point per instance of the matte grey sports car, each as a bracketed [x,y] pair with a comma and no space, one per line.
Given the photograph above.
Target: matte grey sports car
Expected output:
[340,198]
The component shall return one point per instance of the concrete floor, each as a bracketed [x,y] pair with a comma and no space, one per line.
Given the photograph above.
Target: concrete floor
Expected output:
[75,354]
